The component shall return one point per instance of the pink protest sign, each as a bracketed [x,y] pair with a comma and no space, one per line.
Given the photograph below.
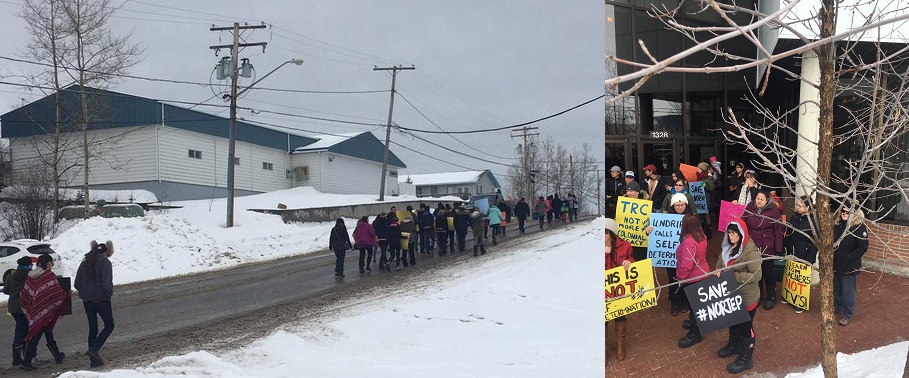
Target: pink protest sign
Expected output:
[728,212]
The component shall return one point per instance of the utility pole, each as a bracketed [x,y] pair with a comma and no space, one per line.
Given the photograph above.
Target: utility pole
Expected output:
[526,132]
[231,145]
[570,174]
[391,106]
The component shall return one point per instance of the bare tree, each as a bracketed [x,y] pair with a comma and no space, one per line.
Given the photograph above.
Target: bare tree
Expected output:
[557,171]
[27,212]
[873,73]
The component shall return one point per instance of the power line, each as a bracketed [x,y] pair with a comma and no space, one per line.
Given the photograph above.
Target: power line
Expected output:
[506,127]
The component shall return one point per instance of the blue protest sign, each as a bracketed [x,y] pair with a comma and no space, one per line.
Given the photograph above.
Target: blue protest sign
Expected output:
[664,239]
[482,204]
[699,195]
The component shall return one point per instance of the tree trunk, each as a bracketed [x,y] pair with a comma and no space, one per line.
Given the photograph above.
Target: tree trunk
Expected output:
[825,217]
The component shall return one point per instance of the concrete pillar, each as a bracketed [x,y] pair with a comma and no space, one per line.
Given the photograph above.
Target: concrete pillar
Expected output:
[809,124]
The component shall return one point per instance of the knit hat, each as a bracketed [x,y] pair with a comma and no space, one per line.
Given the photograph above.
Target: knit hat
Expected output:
[633,186]
[703,166]
[24,261]
[679,197]
[611,225]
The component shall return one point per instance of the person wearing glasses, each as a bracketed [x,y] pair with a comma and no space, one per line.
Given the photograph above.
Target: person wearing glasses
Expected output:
[679,186]
[847,261]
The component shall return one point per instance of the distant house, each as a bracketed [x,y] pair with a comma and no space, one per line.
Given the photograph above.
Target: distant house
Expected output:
[181,154]
[463,184]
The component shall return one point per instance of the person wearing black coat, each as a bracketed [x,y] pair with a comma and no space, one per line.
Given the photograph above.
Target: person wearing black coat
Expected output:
[556,207]
[506,210]
[339,243]
[13,285]
[797,243]
[847,261]
[380,224]
[461,226]
[614,186]
[521,211]
[394,244]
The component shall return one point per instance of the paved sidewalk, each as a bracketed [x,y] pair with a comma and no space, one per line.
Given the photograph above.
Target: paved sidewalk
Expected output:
[786,342]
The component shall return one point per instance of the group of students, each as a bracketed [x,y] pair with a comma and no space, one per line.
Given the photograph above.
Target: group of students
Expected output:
[37,300]
[749,247]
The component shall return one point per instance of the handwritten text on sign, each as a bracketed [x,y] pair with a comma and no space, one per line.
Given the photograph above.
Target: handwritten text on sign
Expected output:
[664,239]
[797,284]
[716,302]
[699,195]
[636,280]
[633,216]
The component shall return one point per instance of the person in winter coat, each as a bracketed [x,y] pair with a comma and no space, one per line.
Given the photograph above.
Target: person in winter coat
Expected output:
[765,224]
[461,225]
[573,207]
[477,227]
[441,229]
[521,211]
[365,240]
[380,225]
[556,207]
[618,253]
[677,300]
[339,243]
[449,220]
[506,215]
[12,287]
[633,190]
[427,230]
[655,187]
[614,185]
[740,254]
[409,226]
[549,209]
[540,208]
[495,220]
[394,244]
[747,190]
[691,266]
[799,233]
[847,261]
[734,184]
[679,186]
[43,302]
[566,209]
[95,283]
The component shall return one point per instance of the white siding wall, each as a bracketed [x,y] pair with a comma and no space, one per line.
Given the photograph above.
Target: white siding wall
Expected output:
[211,169]
[118,155]
[314,162]
[343,174]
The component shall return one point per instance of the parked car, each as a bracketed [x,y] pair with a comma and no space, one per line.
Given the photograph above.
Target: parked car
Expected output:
[122,210]
[14,250]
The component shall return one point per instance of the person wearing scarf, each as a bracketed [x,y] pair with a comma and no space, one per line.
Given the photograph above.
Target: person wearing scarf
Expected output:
[43,302]
[740,254]
[13,287]
[95,283]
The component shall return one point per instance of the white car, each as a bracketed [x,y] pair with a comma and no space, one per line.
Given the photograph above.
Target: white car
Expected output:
[14,250]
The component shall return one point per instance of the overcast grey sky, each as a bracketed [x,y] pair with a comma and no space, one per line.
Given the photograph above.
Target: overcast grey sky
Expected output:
[479,64]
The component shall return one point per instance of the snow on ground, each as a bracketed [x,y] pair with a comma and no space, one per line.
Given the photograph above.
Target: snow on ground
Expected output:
[528,311]
[885,362]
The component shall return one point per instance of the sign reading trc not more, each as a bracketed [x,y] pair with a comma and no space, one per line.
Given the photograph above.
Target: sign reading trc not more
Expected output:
[664,239]
[633,216]
[638,281]
[716,302]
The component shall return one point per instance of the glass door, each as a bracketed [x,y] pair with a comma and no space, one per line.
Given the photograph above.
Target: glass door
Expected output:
[618,153]
[701,151]
[663,154]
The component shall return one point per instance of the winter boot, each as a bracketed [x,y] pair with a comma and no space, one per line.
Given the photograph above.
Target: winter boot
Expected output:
[475,252]
[482,249]
[771,301]
[732,347]
[744,361]
[17,354]
[686,324]
[95,358]
[674,311]
[621,328]
[58,355]
[693,337]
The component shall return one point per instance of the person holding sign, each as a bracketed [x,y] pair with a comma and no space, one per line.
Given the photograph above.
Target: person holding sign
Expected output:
[691,262]
[679,186]
[680,205]
[633,190]
[618,253]
[847,261]
[766,226]
[740,254]
[799,233]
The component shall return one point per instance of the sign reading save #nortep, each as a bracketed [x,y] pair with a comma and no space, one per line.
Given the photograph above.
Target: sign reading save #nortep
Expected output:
[637,281]
[797,284]
[716,302]
[633,216]
[664,239]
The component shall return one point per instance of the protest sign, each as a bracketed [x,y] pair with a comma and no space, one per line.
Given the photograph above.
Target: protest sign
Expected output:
[633,216]
[699,195]
[689,171]
[664,239]
[482,204]
[636,280]
[716,302]
[797,284]
[728,212]
[402,214]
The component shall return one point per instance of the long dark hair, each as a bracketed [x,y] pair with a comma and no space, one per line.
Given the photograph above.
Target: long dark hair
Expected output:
[91,258]
[612,246]
[690,226]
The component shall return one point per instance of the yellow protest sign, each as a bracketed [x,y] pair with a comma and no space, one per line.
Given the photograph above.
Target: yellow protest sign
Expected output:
[797,284]
[633,216]
[400,214]
[636,280]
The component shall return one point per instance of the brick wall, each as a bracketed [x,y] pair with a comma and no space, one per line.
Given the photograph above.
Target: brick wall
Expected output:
[888,244]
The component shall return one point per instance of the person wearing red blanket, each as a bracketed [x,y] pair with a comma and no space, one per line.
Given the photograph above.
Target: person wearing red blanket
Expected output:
[618,253]
[42,301]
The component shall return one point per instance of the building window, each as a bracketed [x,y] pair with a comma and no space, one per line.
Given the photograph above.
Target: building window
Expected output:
[419,191]
[236,161]
[392,173]
[434,190]
[195,154]
[268,166]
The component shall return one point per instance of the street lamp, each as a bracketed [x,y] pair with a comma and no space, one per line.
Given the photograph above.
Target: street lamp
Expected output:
[232,142]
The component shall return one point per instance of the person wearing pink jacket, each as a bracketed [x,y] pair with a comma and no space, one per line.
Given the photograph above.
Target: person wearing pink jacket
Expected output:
[691,267]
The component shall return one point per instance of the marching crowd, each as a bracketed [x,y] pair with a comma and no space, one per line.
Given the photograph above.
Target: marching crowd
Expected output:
[393,238]
[749,247]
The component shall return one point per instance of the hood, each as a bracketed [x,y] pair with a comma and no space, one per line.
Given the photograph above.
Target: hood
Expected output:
[857,218]
[740,225]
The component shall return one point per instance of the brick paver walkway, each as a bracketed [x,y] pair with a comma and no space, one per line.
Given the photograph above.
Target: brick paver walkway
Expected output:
[786,342]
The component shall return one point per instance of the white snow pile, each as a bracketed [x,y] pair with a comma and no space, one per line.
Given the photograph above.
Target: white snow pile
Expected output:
[885,362]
